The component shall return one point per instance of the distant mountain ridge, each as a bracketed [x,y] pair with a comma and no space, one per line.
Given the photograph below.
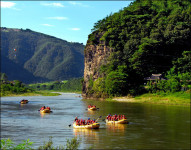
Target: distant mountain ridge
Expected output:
[31,56]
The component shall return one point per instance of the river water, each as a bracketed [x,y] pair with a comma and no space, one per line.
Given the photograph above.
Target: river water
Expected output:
[151,126]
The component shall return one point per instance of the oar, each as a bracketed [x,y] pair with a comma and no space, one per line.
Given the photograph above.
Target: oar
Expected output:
[70,124]
[98,118]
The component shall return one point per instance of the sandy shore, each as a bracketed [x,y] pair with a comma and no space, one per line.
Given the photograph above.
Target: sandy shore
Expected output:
[124,99]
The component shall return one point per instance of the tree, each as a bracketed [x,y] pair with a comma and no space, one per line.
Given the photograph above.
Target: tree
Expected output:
[4,77]
[116,82]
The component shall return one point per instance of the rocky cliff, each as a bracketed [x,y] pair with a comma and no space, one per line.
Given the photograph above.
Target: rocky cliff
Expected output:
[142,39]
[95,56]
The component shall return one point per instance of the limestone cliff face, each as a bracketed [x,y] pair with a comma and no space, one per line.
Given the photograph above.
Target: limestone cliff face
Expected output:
[95,56]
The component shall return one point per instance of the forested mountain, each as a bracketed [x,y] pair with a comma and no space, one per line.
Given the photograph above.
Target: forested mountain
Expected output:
[31,56]
[141,39]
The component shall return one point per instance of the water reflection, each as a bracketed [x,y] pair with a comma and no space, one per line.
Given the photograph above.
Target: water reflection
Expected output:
[44,114]
[86,133]
[116,127]
[90,112]
[22,105]
[151,126]
[87,136]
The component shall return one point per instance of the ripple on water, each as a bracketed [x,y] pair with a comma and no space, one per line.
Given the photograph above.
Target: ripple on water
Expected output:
[150,126]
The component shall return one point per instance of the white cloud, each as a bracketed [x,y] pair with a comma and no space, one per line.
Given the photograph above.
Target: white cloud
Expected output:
[7,4]
[53,4]
[75,29]
[48,25]
[78,4]
[58,18]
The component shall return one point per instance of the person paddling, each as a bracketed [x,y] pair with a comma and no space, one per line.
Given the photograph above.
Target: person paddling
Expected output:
[76,118]
[42,108]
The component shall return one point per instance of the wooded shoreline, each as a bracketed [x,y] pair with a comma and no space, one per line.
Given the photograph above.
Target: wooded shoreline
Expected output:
[178,98]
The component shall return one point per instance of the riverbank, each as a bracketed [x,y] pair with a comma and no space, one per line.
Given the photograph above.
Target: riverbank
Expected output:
[179,98]
[36,93]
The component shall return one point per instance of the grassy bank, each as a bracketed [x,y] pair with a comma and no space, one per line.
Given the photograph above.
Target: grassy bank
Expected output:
[36,93]
[71,85]
[62,91]
[178,98]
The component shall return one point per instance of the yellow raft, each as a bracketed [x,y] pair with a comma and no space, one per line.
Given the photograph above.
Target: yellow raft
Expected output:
[91,126]
[122,121]
[45,111]
[92,108]
[24,101]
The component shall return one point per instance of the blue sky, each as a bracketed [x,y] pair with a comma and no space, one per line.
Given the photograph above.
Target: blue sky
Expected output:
[68,20]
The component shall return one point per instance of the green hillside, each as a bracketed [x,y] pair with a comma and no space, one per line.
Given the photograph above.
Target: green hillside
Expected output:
[31,56]
[147,36]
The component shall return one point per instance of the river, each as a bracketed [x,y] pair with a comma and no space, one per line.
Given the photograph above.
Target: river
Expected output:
[151,126]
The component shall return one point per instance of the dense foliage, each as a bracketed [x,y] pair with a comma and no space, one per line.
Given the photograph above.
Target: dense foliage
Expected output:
[147,37]
[71,85]
[178,77]
[31,56]
[8,144]
[15,87]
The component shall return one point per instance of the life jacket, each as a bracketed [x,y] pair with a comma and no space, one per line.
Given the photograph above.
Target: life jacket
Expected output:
[76,119]
[77,123]
[42,108]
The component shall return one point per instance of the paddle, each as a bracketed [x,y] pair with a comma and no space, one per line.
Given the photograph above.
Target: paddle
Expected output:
[70,124]
[98,118]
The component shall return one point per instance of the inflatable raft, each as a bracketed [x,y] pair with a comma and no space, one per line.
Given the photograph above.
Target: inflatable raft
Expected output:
[122,121]
[92,108]
[24,101]
[91,126]
[45,111]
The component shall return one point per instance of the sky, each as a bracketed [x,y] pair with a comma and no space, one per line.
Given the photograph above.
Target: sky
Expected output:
[68,20]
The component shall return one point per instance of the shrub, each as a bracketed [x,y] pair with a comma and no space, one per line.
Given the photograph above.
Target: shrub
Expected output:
[8,144]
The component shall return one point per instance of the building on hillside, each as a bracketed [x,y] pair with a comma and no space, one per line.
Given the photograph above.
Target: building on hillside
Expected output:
[154,78]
